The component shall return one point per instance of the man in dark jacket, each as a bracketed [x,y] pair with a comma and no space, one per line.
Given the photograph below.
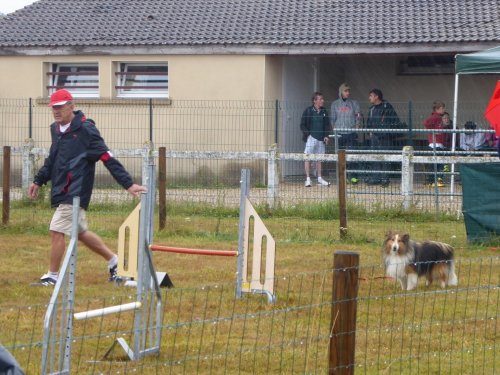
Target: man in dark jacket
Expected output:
[76,147]
[315,127]
[381,115]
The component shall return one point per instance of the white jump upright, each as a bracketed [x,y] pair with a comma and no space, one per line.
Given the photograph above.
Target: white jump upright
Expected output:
[253,284]
[148,306]
[58,322]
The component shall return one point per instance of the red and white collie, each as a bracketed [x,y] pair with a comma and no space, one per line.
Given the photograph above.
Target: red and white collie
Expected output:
[406,260]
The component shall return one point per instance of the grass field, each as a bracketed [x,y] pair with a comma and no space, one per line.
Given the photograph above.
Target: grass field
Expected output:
[205,330]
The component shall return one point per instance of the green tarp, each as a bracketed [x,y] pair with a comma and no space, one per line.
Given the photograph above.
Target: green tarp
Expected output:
[481,200]
[487,61]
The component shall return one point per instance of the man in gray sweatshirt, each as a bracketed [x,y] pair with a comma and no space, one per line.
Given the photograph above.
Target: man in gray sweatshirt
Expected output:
[345,116]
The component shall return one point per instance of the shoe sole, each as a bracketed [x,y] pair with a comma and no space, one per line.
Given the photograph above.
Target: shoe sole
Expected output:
[42,284]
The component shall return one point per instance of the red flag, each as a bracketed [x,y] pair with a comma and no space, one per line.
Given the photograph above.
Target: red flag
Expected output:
[492,112]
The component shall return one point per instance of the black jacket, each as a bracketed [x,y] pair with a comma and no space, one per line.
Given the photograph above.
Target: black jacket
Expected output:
[305,123]
[382,116]
[71,162]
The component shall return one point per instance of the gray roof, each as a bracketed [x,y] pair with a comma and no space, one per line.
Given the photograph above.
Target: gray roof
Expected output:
[229,23]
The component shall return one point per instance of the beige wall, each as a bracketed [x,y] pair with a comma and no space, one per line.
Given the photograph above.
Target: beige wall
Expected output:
[200,77]
[216,77]
[21,77]
[273,78]
[216,104]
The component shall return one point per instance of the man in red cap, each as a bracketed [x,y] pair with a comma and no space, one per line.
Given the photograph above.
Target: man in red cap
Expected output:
[76,147]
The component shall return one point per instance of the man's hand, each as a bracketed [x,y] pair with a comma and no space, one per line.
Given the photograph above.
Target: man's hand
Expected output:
[33,191]
[326,140]
[136,189]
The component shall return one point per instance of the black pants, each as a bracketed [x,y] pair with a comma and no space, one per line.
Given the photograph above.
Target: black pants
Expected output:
[378,141]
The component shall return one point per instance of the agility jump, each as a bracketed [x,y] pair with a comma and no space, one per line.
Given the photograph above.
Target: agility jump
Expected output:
[129,233]
[137,231]
[148,306]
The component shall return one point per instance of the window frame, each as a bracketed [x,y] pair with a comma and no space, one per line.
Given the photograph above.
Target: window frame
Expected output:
[141,91]
[427,65]
[77,90]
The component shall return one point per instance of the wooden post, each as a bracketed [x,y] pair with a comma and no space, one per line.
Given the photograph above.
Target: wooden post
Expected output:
[343,319]
[6,185]
[342,192]
[162,186]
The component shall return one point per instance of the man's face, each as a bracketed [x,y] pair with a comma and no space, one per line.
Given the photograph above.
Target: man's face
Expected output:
[346,93]
[319,101]
[63,114]
[372,98]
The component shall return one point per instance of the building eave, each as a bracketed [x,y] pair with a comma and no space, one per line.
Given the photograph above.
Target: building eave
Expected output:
[344,49]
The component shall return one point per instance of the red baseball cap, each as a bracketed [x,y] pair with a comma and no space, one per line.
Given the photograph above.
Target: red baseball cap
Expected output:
[60,97]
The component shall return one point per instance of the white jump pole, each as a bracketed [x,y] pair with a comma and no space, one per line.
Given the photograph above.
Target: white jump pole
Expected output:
[107,310]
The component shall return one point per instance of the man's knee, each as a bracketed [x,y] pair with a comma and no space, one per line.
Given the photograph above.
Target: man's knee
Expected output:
[56,234]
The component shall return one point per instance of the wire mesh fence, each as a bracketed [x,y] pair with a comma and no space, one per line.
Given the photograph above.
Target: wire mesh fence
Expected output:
[204,124]
[210,181]
[207,330]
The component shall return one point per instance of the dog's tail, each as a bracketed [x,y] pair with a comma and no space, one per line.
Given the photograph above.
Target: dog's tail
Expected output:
[452,276]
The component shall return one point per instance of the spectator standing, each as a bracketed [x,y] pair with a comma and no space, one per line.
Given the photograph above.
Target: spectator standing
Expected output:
[435,122]
[315,127]
[447,124]
[381,115]
[345,116]
[76,147]
[436,140]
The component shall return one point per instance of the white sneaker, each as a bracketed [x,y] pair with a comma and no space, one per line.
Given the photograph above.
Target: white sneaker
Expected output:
[47,280]
[308,182]
[322,182]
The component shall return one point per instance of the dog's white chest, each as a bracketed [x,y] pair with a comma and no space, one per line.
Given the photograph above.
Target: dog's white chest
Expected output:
[395,267]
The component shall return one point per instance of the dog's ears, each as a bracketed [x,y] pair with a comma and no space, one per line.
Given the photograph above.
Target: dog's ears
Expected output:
[388,234]
[405,237]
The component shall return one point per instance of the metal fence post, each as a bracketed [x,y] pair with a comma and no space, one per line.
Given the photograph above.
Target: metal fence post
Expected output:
[30,118]
[272,175]
[276,121]
[410,122]
[28,164]
[6,185]
[343,319]
[341,178]
[151,120]
[162,186]
[407,169]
